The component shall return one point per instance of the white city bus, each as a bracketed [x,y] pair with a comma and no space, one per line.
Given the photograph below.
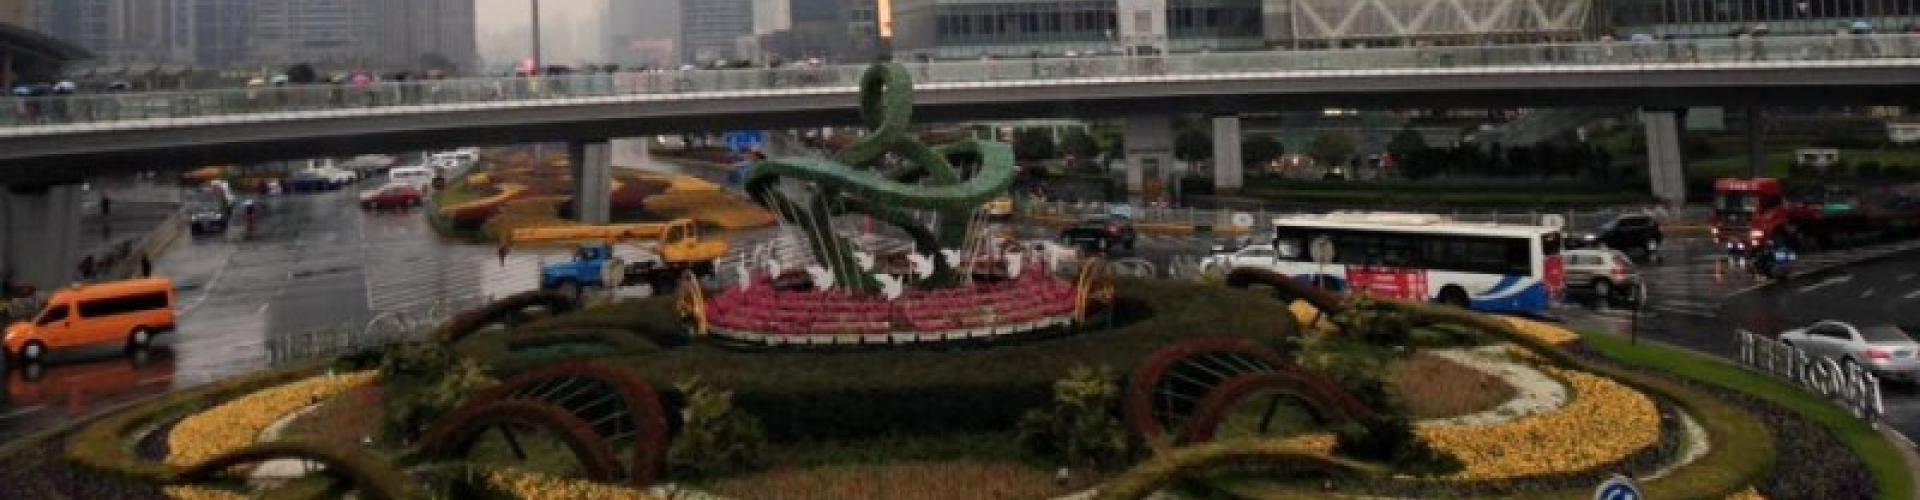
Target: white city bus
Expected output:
[1482,266]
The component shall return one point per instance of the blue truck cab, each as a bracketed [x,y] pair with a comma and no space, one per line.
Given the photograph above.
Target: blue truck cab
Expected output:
[587,269]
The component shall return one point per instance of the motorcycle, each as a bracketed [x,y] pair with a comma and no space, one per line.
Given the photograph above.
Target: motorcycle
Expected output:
[1774,262]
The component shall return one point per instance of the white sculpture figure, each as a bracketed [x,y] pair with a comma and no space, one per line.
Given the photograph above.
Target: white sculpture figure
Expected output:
[922,265]
[746,275]
[773,268]
[891,286]
[1015,262]
[822,278]
[865,260]
[953,257]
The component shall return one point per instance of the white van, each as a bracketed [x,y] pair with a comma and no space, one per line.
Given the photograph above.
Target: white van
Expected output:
[415,175]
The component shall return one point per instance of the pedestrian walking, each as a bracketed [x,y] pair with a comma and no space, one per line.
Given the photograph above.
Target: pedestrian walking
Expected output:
[503,256]
[86,268]
[106,205]
[146,266]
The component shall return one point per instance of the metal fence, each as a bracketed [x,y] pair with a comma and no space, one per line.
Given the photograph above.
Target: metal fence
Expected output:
[385,328]
[1702,54]
[1848,385]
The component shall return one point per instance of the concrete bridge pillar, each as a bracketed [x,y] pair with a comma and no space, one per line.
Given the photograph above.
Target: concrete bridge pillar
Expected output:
[592,181]
[1149,141]
[1227,161]
[1665,166]
[40,234]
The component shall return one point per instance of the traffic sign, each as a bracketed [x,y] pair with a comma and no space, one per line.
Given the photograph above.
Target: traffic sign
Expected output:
[744,141]
[1618,487]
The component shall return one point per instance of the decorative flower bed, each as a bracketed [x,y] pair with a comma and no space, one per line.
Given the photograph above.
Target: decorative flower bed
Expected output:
[759,314]
[523,484]
[235,424]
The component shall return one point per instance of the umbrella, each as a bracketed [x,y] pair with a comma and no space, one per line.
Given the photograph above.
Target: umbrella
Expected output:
[1861,28]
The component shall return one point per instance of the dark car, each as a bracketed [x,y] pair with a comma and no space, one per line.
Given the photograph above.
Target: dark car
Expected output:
[1101,234]
[209,218]
[1635,234]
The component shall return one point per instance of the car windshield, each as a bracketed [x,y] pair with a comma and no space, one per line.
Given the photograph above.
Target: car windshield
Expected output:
[1884,333]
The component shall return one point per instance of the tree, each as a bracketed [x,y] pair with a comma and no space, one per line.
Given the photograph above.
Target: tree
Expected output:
[1332,148]
[1033,144]
[302,74]
[1079,144]
[1112,141]
[1406,143]
[1193,144]
[1261,149]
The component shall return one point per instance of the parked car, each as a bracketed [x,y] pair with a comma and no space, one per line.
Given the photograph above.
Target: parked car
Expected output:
[1886,350]
[392,195]
[1101,233]
[127,312]
[415,175]
[1607,274]
[207,217]
[1632,233]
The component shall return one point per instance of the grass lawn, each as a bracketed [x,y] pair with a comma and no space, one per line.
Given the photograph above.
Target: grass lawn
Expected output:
[1883,460]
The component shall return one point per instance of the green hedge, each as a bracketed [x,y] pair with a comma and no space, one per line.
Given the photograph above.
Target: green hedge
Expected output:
[1883,460]
[933,390]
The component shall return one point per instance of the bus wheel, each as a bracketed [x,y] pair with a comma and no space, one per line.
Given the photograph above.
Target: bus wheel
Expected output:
[1454,296]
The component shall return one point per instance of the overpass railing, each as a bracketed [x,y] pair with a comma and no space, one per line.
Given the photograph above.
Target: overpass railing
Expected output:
[1720,53]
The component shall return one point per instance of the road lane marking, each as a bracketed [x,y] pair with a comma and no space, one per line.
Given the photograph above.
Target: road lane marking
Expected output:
[1826,283]
[1904,277]
[1911,295]
[1868,293]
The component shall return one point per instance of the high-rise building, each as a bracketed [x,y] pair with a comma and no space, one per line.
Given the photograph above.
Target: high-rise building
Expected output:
[211,33]
[115,30]
[323,32]
[709,29]
[425,34]
[643,33]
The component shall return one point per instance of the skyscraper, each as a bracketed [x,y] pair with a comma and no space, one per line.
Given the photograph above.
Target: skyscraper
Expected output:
[424,34]
[710,28]
[325,32]
[115,30]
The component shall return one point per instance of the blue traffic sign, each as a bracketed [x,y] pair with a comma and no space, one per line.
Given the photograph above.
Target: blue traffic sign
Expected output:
[743,141]
[1618,487]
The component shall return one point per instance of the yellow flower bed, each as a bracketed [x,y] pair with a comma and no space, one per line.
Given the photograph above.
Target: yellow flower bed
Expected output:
[235,424]
[1550,334]
[1749,494]
[1562,441]
[1306,313]
[189,492]
[524,484]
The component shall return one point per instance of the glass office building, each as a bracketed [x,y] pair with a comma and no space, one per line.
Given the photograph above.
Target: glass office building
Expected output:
[970,29]
[1777,17]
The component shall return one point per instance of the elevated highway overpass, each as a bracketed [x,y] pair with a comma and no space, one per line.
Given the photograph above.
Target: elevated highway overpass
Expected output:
[70,137]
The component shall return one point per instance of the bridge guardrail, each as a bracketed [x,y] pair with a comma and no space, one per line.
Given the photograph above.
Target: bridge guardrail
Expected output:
[1718,53]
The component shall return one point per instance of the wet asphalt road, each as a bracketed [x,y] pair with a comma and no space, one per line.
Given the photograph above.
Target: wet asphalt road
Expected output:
[1697,303]
[313,261]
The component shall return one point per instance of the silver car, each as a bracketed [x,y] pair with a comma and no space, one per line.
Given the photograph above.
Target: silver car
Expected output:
[1886,350]
[1608,274]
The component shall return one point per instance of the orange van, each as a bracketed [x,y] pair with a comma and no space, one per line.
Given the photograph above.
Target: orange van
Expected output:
[128,312]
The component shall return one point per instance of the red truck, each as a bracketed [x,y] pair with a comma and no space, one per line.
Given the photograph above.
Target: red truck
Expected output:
[1752,214]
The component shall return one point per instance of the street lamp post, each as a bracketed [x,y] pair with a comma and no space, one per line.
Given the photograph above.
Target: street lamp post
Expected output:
[537,63]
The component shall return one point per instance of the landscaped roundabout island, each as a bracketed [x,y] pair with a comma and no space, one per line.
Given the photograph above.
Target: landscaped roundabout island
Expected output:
[962,371]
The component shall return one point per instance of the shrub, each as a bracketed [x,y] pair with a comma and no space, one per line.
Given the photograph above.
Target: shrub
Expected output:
[425,381]
[716,439]
[1389,439]
[1080,427]
[1374,323]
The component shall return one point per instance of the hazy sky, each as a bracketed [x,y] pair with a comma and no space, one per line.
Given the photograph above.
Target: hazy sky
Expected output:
[570,30]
